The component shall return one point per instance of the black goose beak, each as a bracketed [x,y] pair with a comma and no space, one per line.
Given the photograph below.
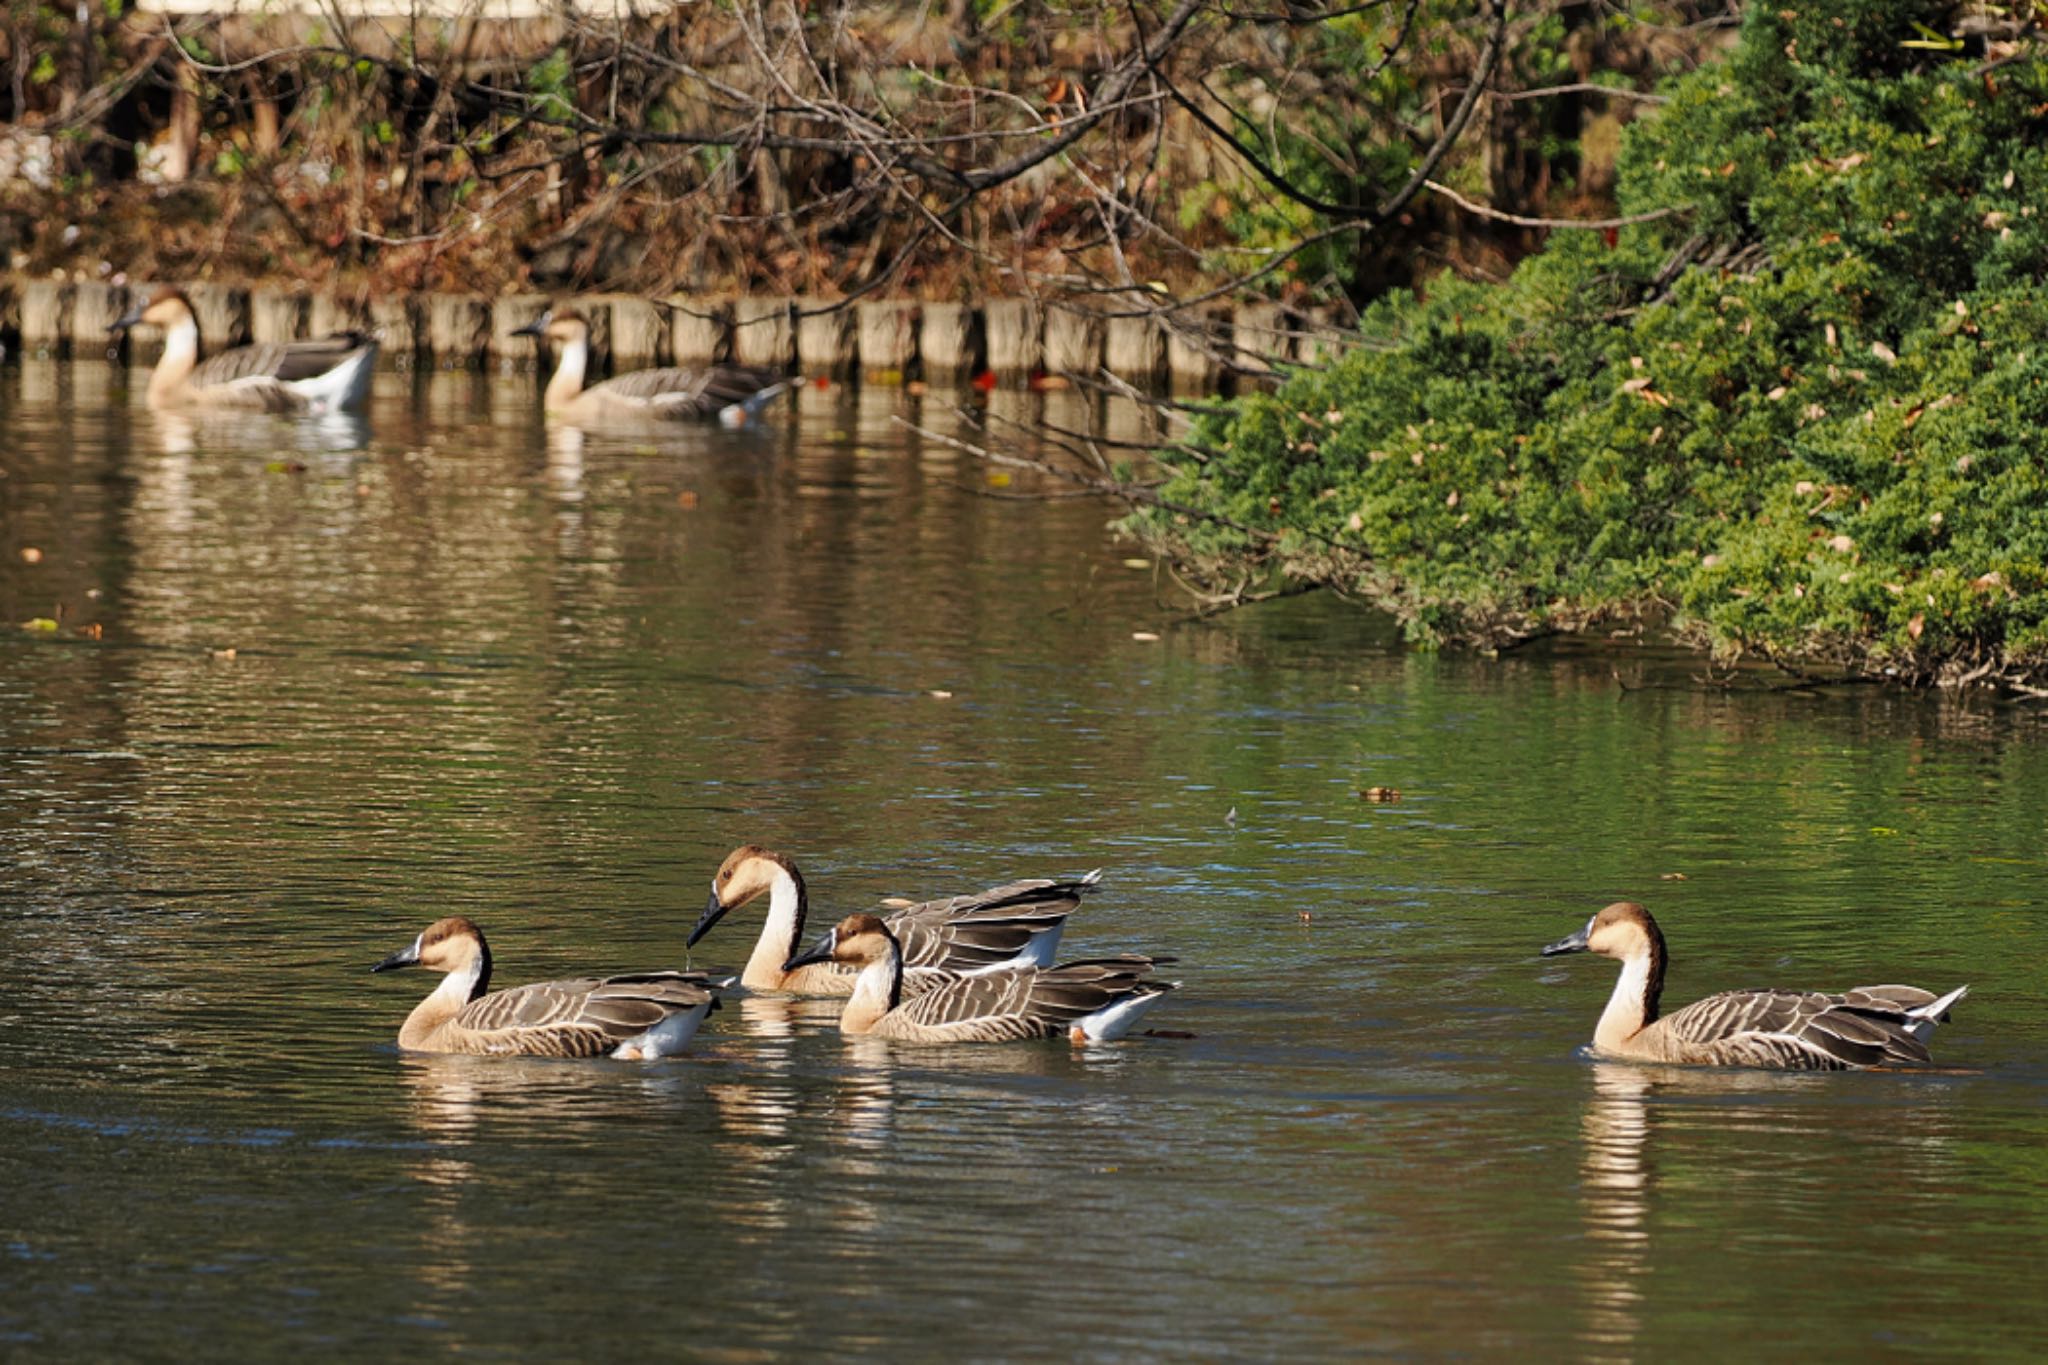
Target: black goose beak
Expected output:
[1570,943]
[408,956]
[126,320]
[714,910]
[820,952]
[534,328]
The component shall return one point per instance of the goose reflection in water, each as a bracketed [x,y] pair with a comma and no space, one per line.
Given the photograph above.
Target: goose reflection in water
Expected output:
[1615,1190]
[328,433]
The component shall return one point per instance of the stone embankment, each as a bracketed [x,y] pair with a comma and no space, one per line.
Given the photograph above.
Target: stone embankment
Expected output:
[882,341]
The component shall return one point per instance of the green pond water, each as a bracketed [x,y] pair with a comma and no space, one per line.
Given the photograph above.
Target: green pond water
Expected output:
[349,679]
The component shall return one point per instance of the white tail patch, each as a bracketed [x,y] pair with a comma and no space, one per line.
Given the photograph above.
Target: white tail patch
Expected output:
[666,1038]
[344,386]
[1924,1019]
[1113,1021]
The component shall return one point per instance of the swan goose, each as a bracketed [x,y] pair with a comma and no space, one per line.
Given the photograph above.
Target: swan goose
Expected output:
[1785,1030]
[1015,923]
[633,1018]
[731,393]
[1092,1001]
[318,376]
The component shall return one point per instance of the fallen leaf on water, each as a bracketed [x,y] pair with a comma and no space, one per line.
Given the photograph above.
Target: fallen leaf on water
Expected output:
[687,500]
[1305,917]
[1382,794]
[93,631]
[1143,635]
[940,694]
[284,467]
[897,902]
[998,479]
[1671,877]
[42,623]
[1137,563]
[31,555]
[1883,831]
[224,655]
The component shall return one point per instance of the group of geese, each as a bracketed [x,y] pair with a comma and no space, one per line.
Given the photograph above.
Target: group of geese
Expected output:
[980,969]
[332,374]
[970,969]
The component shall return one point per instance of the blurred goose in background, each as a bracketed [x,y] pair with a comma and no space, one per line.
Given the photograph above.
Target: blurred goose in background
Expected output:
[1784,1030]
[324,375]
[1020,922]
[1092,1001]
[731,393]
[633,1018]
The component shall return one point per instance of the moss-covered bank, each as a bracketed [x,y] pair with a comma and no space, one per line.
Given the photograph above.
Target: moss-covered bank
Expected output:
[1804,419]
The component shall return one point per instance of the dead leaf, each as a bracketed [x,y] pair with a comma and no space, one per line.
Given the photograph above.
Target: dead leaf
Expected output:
[1383,795]
[1917,626]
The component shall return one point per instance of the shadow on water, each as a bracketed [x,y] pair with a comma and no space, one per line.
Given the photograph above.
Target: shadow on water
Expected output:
[293,691]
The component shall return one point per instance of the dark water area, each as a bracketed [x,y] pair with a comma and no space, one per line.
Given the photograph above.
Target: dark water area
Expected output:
[349,678]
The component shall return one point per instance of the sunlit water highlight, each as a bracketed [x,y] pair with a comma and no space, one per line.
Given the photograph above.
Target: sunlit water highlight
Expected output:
[353,676]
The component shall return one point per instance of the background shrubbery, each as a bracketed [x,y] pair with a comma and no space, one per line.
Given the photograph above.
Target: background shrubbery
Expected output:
[1804,418]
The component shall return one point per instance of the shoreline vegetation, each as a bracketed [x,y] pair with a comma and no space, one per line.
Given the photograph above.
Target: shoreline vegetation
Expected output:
[1800,423]
[1709,320]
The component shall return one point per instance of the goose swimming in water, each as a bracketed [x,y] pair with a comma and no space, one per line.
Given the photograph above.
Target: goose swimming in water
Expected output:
[1784,1030]
[319,376]
[731,393]
[634,1018]
[1092,1001]
[1018,922]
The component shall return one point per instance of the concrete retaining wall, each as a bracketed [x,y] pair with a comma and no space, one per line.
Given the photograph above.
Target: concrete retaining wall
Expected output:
[885,341]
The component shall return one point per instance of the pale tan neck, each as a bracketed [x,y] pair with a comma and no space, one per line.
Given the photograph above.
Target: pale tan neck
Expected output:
[1627,1009]
[780,936]
[567,382]
[872,992]
[181,354]
[440,1007]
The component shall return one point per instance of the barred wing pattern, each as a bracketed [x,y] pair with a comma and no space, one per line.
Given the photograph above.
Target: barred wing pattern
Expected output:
[680,393]
[964,933]
[1802,1030]
[259,376]
[1030,1002]
[578,1017]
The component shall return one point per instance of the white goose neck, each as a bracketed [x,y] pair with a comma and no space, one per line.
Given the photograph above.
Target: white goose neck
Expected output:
[569,373]
[445,1001]
[181,354]
[876,991]
[1627,1011]
[782,935]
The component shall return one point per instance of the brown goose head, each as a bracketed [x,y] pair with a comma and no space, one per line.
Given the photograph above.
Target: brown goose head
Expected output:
[748,871]
[161,307]
[447,945]
[1623,930]
[857,941]
[561,326]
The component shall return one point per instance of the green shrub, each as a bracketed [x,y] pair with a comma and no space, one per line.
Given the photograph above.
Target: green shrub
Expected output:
[1821,442]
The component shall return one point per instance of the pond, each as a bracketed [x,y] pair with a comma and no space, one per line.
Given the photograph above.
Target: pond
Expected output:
[309,688]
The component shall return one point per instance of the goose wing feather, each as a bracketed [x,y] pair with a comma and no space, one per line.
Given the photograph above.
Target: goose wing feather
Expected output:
[685,393]
[1802,1030]
[986,927]
[1031,1002]
[279,361]
[581,1016]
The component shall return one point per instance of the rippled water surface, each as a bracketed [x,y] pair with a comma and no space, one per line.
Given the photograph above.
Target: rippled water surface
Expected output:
[313,686]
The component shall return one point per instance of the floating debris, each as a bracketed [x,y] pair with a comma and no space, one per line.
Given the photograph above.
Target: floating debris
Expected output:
[1383,795]
[1671,877]
[31,555]
[1144,635]
[940,694]
[1304,916]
